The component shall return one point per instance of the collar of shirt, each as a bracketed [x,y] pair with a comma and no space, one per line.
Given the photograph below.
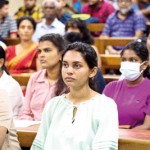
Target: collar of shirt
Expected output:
[42,76]
[54,24]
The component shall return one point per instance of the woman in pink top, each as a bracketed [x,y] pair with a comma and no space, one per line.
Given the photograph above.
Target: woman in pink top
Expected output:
[46,83]
[132,94]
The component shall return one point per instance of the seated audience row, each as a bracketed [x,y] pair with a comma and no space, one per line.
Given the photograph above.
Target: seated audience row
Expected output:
[52,21]
[78,69]
[84,119]
[47,83]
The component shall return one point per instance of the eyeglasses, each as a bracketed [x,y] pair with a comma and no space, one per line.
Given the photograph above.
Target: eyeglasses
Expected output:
[126,1]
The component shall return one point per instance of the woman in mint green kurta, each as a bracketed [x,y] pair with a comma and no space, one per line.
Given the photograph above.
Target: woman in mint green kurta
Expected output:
[81,119]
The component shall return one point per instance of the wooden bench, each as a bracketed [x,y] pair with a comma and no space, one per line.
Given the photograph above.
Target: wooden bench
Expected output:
[22,78]
[101,43]
[99,27]
[95,27]
[10,41]
[108,77]
[110,62]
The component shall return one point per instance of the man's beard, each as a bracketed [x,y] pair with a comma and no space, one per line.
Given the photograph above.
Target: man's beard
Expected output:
[125,11]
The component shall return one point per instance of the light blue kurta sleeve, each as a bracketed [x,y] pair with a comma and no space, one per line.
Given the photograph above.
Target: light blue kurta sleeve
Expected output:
[106,137]
[41,136]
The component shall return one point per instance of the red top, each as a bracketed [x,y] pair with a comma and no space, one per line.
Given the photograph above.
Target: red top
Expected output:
[102,12]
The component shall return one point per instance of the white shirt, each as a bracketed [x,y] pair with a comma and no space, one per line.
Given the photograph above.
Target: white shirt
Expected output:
[12,87]
[42,29]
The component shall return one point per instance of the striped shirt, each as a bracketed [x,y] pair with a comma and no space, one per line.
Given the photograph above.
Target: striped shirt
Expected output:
[115,27]
[8,26]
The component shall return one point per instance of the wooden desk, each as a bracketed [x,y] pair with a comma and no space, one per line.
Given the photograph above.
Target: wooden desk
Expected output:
[128,139]
[134,139]
[27,135]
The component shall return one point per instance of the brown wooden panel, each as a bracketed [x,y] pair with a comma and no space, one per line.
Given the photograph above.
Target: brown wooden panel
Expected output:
[101,43]
[27,135]
[110,62]
[108,77]
[22,78]
[10,41]
[95,27]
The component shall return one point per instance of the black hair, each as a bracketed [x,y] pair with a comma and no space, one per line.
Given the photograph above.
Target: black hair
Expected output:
[26,18]
[2,55]
[59,42]
[139,47]
[72,37]
[56,39]
[3,3]
[81,25]
[88,54]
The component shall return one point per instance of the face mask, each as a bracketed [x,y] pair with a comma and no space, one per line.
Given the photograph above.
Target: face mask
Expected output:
[130,70]
[73,37]
[125,11]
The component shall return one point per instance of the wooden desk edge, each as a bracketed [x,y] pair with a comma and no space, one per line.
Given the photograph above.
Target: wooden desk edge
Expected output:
[130,140]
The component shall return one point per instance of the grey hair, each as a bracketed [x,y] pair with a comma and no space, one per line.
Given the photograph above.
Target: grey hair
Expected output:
[50,1]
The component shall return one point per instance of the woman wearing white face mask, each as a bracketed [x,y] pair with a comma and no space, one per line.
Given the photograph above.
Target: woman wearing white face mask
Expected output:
[132,94]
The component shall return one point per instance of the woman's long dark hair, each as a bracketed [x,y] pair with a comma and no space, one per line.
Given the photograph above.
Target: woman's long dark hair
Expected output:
[2,55]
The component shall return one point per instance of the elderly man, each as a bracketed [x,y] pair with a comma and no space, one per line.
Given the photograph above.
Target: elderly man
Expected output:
[51,24]
[124,23]
[31,9]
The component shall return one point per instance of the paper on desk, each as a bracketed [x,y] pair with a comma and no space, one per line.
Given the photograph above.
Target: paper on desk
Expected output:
[25,123]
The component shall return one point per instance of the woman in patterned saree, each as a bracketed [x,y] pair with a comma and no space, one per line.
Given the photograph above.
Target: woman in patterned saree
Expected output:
[22,58]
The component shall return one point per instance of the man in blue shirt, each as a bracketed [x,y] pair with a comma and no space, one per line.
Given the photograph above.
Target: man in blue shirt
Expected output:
[124,23]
